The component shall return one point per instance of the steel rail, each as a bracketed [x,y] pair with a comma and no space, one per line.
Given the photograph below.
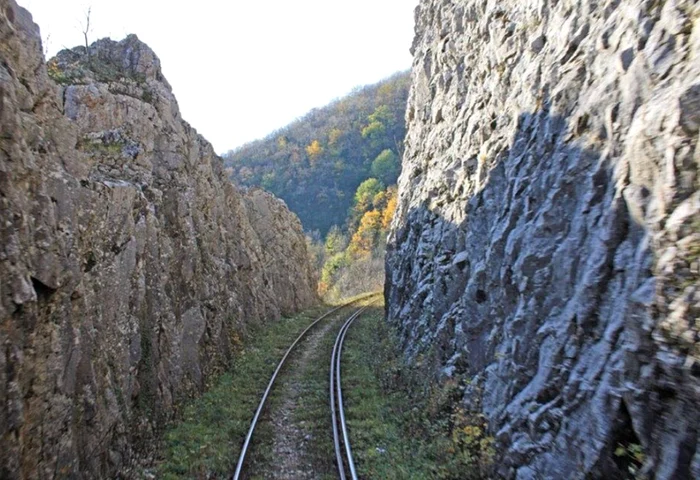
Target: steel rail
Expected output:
[336,398]
[256,417]
[336,408]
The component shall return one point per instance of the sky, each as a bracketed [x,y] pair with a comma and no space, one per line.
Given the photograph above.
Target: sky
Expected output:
[241,69]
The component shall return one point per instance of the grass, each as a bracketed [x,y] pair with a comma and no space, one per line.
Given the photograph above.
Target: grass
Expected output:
[314,417]
[206,442]
[402,423]
[375,422]
[316,414]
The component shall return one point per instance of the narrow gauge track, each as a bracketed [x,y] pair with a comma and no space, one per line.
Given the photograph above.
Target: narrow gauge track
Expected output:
[266,394]
[343,456]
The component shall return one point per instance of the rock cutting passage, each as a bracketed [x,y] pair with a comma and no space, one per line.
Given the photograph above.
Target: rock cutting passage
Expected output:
[542,264]
[290,459]
[545,245]
[129,264]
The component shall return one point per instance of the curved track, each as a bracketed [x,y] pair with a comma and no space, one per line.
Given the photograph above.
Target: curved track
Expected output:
[343,456]
[266,394]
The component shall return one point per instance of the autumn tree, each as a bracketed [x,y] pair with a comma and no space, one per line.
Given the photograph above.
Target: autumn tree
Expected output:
[390,209]
[314,150]
[324,156]
[364,254]
[367,235]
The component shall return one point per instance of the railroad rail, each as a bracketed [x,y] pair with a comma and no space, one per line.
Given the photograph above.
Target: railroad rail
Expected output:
[343,455]
[266,394]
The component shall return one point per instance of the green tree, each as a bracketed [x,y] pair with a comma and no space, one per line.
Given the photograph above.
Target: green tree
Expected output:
[336,241]
[330,270]
[379,121]
[365,193]
[386,167]
[269,181]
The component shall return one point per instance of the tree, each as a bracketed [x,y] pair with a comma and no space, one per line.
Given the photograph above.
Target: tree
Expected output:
[268,181]
[330,270]
[314,149]
[379,200]
[334,135]
[336,241]
[365,193]
[386,167]
[86,31]
[388,214]
[378,122]
[325,156]
[367,235]
[46,42]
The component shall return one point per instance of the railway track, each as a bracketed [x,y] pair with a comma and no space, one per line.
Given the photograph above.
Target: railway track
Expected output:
[343,455]
[336,401]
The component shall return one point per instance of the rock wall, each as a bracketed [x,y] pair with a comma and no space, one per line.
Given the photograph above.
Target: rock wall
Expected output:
[546,247]
[129,265]
[269,216]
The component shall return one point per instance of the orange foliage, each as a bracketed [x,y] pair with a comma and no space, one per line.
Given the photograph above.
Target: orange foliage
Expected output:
[322,288]
[388,213]
[365,237]
[314,149]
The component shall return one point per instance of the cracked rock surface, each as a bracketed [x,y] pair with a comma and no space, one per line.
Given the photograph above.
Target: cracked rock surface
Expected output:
[546,245]
[129,264]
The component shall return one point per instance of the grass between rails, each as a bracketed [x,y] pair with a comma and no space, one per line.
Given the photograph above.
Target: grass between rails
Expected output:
[316,414]
[206,442]
[312,415]
[403,424]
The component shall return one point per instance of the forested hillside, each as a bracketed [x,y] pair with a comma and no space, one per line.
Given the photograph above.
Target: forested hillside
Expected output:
[317,163]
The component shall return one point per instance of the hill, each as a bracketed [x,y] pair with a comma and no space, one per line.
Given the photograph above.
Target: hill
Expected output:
[317,163]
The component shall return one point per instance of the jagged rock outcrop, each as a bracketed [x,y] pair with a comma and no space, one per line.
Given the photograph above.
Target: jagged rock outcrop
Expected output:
[547,241]
[269,216]
[129,265]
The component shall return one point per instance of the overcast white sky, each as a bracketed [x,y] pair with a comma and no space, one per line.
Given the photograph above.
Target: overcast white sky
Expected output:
[241,69]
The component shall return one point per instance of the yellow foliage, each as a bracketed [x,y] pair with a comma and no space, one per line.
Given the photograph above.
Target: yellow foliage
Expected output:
[314,149]
[365,237]
[379,200]
[389,211]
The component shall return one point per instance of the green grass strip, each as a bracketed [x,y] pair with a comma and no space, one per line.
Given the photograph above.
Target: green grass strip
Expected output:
[206,441]
[377,417]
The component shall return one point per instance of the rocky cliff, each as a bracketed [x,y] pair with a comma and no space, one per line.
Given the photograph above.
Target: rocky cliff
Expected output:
[286,255]
[129,265]
[546,248]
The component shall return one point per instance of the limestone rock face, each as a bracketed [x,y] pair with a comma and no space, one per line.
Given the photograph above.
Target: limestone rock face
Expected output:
[288,271]
[129,265]
[547,240]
